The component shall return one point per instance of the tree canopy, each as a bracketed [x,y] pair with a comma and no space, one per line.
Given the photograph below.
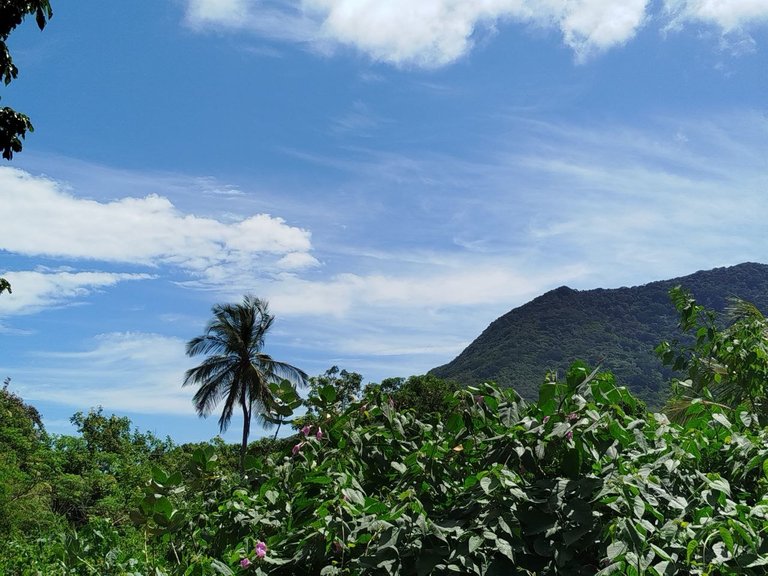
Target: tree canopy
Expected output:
[15,125]
[237,370]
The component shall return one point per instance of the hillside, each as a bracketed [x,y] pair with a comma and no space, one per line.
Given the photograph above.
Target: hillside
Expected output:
[616,327]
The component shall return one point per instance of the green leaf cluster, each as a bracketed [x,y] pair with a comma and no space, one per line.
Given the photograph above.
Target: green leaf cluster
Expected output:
[584,481]
[15,125]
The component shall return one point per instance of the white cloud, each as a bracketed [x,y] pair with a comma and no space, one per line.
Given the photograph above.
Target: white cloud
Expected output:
[128,371]
[40,218]
[34,290]
[425,33]
[297,261]
[591,25]
[459,284]
[729,15]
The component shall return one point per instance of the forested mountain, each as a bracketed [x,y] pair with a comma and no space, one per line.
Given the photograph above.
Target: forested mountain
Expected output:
[617,328]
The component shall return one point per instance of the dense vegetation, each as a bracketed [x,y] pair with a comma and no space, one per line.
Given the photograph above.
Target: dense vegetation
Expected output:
[417,476]
[616,328]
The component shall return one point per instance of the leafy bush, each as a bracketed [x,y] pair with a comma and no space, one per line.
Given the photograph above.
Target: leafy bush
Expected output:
[583,482]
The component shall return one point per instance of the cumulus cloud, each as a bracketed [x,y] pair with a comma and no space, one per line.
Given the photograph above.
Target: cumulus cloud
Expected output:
[34,290]
[426,33]
[41,218]
[729,15]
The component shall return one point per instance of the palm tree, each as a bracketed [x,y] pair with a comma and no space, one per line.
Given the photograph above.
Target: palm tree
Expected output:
[727,366]
[236,369]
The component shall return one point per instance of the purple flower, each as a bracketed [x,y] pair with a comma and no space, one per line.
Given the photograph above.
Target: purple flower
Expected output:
[569,435]
[244,563]
[296,449]
[479,399]
[261,549]
[306,430]
[545,420]
[319,434]
[573,416]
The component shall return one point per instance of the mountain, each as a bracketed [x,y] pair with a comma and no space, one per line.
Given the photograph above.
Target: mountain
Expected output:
[617,328]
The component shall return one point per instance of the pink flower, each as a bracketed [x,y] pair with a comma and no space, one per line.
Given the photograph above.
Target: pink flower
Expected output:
[569,435]
[296,449]
[545,420]
[573,416]
[244,563]
[479,399]
[306,430]
[261,549]
[319,434]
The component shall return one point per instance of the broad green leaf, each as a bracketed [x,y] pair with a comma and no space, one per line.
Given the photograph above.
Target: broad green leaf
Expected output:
[221,568]
[616,549]
[691,550]
[727,538]
[485,484]
[661,553]
[721,419]
[504,547]
[328,394]
[638,507]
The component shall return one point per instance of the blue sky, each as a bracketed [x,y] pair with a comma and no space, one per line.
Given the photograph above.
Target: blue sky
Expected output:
[391,176]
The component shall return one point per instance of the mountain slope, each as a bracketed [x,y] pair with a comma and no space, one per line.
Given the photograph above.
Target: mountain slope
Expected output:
[618,328]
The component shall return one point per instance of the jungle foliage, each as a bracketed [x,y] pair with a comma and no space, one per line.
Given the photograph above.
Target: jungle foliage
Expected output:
[585,480]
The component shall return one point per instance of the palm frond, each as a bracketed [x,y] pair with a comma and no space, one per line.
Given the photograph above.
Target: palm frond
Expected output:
[739,310]
[677,410]
[237,372]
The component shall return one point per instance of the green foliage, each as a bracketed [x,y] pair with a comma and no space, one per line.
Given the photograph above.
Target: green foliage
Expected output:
[237,370]
[5,286]
[14,125]
[100,472]
[424,394]
[726,363]
[410,480]
[584,481]
[24,483]
[329,394]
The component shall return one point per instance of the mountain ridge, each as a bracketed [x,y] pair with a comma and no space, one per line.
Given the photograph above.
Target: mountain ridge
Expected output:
[615,327]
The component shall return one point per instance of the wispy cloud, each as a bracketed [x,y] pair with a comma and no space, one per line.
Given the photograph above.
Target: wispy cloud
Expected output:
[462,284]
[34,290]
[271,19]
[432,247]
[358,121]
[129,372]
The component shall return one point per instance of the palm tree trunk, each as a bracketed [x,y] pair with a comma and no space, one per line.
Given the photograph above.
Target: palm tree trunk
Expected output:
[279,423]
[246,431]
